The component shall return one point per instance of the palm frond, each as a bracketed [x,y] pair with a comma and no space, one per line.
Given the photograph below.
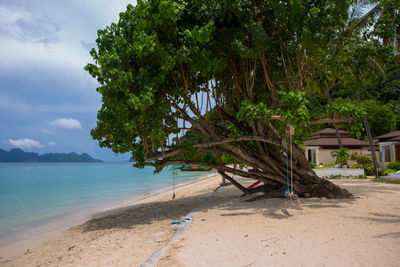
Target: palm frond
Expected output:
[375,65]
[360,22]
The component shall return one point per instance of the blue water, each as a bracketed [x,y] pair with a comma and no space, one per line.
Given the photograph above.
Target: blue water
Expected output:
[40,197]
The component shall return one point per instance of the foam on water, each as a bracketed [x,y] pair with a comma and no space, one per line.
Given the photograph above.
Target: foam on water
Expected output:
[40,197]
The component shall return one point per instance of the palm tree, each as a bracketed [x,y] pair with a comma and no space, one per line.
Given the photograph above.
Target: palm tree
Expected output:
[357,21]
[341,155]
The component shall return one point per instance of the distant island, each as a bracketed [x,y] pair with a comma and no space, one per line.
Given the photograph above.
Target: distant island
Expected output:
[18,155]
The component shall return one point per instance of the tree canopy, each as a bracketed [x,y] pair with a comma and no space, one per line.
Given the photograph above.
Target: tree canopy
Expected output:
[232,72]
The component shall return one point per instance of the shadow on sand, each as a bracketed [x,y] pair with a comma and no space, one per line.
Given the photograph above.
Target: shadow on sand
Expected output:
[227,200]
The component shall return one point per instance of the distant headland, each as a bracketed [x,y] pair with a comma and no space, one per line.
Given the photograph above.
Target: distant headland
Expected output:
[18,155]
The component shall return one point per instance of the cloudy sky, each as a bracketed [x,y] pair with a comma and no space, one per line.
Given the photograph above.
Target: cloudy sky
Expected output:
[48,103]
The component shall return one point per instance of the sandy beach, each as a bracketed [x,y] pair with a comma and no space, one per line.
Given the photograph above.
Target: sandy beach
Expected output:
[227,230]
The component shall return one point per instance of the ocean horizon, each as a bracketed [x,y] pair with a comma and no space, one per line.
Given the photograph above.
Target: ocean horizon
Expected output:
[36,198]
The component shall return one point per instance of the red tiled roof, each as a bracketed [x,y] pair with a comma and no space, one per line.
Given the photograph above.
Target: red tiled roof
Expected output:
[389,136]
[333,142]
[331,131]
[395,139]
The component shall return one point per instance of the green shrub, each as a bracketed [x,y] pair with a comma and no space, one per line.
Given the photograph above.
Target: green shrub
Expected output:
[363,160]
[312,164]
[386,173]
[368,169]
[330,165]
[360,159]
[356,166]
[395,165]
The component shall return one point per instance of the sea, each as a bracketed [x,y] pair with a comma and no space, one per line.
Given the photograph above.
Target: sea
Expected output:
[36,198]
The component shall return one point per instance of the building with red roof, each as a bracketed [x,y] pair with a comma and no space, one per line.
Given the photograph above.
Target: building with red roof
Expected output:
[389,146]
[322,143]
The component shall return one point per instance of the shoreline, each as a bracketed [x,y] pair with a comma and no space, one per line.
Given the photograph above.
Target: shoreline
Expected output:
[122,205]
[18,247]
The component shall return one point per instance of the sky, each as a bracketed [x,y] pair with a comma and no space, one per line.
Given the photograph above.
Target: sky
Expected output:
[48,103]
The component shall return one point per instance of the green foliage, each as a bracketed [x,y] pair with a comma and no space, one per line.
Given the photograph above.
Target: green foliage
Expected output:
[345,108]
[395,165]
[312,164]
[295,111]
[368,170]
[390,89]
[395,107]
[380,117]
[360,159]
[253,58]
[249,112]
[228,160]
[387,171]
[341,156]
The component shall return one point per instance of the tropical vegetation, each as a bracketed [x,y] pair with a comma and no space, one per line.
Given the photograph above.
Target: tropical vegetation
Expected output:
[231,80]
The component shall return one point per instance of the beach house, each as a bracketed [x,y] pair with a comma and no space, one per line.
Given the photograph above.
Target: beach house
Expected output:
[319,147]
[389,146]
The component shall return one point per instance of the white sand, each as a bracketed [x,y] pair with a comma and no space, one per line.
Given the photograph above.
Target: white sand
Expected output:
[228,231]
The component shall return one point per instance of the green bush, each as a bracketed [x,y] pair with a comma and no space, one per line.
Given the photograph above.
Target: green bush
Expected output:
[368,169]
[356,166]
[360,159]
[363,160]
[330,165]
[395,165]
[312,164]
[386,173]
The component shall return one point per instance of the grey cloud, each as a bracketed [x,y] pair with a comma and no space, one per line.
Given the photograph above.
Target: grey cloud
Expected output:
[38,30]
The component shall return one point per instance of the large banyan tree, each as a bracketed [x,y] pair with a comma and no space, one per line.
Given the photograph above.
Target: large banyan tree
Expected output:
[225,79]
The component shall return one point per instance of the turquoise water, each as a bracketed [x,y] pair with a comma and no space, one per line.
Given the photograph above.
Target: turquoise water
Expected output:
[40,197]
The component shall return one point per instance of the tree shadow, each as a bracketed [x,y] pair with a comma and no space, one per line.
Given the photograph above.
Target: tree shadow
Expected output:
[276,208]
[372,187]
[392,234]
[226,200]
[379,218]
[142,214]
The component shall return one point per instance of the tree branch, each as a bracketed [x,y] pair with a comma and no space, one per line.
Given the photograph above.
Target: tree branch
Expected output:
[330,120]
[265,177]
[215,143]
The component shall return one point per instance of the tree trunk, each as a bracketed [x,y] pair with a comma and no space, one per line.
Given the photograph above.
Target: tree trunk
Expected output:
[306,182]
[336,128]
[370,140]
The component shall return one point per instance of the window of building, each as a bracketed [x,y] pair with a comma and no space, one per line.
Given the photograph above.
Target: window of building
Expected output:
[386,154]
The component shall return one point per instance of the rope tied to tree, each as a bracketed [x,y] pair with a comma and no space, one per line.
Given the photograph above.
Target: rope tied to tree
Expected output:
[173,184]
[289,193]
[287,169]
